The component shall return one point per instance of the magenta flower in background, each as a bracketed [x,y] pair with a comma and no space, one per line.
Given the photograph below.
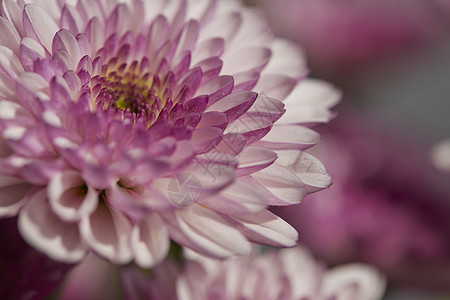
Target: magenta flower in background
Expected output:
[24,272]
[286,274]
[386,206]
[341,35]
[124,125]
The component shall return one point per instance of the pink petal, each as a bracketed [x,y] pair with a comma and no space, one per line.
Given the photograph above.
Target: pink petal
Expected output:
[265,227]
[210,67]
[67,198]
[29,51]
[253,128]
[12,192]
[188,37]
[65,40]
[70,19]
[217,88]
[38,23]
[213,119]
[41,228]
[206,138]
[232,143]
[150,241]
[107,232]
[235,104]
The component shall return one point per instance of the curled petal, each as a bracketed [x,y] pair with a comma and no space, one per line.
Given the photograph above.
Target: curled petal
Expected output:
[107,231]
[70,197]
[149,241]
[41,228]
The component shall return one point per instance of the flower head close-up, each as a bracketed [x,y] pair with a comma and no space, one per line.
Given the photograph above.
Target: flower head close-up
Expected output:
[127,124]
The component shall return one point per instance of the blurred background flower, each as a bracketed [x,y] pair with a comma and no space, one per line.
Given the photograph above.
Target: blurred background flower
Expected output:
[25,273]
[388,205]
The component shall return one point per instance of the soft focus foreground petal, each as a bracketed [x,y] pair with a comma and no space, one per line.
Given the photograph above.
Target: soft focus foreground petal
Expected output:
[70,197]
[210,233]
[12,195]
[107,232]
[92,278]
[354,282]
[149,241]
[160,284]
[310,103]
[45,231]
[304,274]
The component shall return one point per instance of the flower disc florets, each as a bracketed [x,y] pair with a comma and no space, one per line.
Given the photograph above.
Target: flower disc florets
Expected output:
[124,125]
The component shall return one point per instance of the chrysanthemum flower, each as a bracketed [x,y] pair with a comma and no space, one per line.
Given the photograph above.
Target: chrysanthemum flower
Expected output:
[286,274]
[124,125]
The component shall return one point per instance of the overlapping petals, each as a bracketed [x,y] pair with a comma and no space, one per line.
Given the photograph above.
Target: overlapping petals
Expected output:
[124,125]
[286,274]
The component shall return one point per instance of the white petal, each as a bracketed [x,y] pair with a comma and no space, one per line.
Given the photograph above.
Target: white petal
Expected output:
[38,22]
[9,36]
[284,186]
[310,102]
[354,282]
[237,199]
[267,228]
[41,228]
[284,137]
[307,167]
[107,232]
[150,241]
[211,233]
[287,59]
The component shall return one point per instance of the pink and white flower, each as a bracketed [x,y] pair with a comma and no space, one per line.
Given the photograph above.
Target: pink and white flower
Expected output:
[286,274]
[128,123]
